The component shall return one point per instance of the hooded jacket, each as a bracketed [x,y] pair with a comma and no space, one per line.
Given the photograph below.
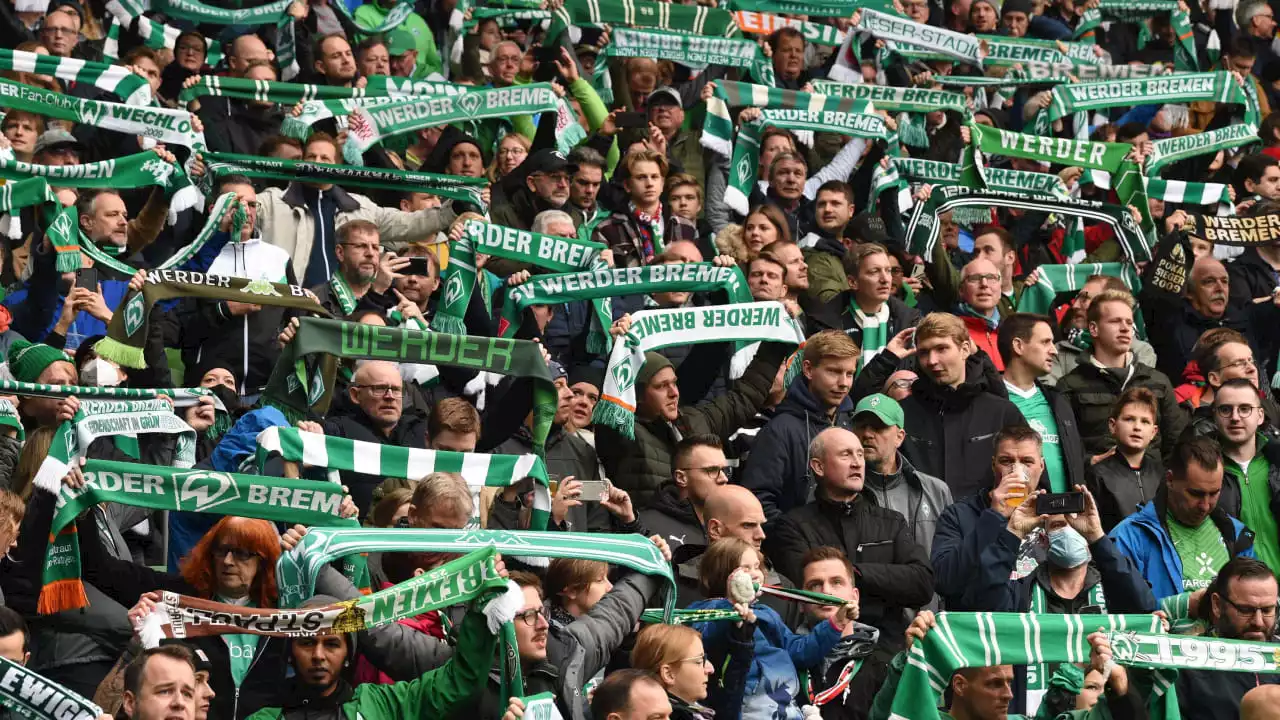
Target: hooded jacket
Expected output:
[1092,390]
[950,430]
[673,519]
[1144,537]
[777,469]
[1120,490]
[893,571]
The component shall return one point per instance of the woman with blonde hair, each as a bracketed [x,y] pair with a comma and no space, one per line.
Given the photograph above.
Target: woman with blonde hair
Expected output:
[674,654]
[513,148]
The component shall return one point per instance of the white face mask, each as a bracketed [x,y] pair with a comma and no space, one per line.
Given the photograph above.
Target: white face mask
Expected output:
[100,373]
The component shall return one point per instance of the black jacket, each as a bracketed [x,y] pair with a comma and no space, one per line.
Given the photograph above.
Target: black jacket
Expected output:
[1216,694]
[672,518]
[232,126]
[950,430]
[1069,440]
[837,315]
[1119,490]
[1231,498]
[1180,326]
[1252,277]
[777,470]
[410,432]
[302,703]
[1092,391]
[893,571]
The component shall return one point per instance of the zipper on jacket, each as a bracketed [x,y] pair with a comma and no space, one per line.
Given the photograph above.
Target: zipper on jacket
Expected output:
[858,550]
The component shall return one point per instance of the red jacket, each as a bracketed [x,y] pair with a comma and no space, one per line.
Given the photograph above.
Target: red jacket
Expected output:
[984,338]
[427,623]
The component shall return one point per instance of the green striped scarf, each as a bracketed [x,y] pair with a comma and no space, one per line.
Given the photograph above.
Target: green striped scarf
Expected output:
[1172,150]
[1054,280]
[182,397]
[656,329]
[787,108]
[936,173]
[479,470]
[1172,191]
[59,221]
[153,34]
[452,187]
[1007,51]
[1181,88]
[557,254]
[133,89]
[378,123]
[756,23]
[198,12]
[284,93]
[212,222]
[131,171]
[875,332]
[301,382]
[27,694]
[816,8]
[379,91]
[692,19]
[160,124]
[127,332]
[900,31]
[692,50]
[1038,674]
[895,99]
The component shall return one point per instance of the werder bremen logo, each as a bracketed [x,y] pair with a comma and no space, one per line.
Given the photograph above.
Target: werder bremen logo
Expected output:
[260,287]
[624,376]
[159,170]
[470,103]
[1123,647]
[453,290]
[744,169]
[90,112]
[133,314]
[200,490]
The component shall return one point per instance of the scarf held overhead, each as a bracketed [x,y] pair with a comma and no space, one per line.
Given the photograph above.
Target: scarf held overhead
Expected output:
[159,124]
[27,694]
[115,79]
[1263,229]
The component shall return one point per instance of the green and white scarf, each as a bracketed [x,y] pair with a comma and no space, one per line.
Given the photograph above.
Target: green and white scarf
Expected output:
[479,470]
[59,222]
[790,109]
[1172,191]
[1172,150]
[895,99]
[1181,88]
[160,124]
[656,329]
[153,33]
[1006,51]
[297,570]
[922,228]
[452,187]
[692,19]
[816,8]
[755,23]
[27,694]
[182,397]
[1038,673]
[411,114]
[212,222]
[198,12]
[133,89]
[604,282]
[471,577]
[875,332]
[131,171]
[935,173]
[313,111]
[1054,280]
[127,332]
[554,253]
[982,639]
[301,382]
[691,50]
[1064,72]
[506,17]
[902,31]
[284,93]
[541,707]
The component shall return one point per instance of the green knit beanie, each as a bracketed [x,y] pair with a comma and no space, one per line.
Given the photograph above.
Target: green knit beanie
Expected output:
[27,360]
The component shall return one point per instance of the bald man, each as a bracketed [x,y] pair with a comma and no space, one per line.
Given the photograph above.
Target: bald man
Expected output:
[980,283]
[375,414]
[893,571]
[1206,304]
[1261,703]
[504,63]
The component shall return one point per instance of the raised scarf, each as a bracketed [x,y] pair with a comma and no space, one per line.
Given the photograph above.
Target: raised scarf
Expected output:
[166,488]
[693,50]
[470,577]
[982,639]
[198,12]
[60,224]
[284,93]
[922,228]
[756,23]
[898,30]
[213,219]
[153,33]
[301,382]
[1053,280]
[459,277]
[160,124]
[133,89]
[1038,674]
[692,19]
[131,171]
[936,173]
[603,283]
[1219,87]
[182,397]
[376,124]
[452,187]
[816,8]
[127,332]
[1172,150]
[791,109]
[1261,229]
[541,707]
[1172,191]
[478,470]
[27,694]
[656,329]
[895,99]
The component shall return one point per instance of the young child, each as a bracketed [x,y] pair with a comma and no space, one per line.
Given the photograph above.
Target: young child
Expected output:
[1127,477]
[772,682]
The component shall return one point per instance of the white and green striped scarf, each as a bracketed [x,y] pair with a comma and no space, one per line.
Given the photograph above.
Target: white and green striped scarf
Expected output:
[787,108]
[59,223]
[1052,280]
[133,89]
[1038,673]
[1172,150]
[875,332]
[1219,87]
[153,33]
[655,329]
[895,99]
[27,694]
[479,470]
[692,19]
[1173,191]
[159,124]
[935,173]
[182,397]
[901,31]
[131,171]
[691,50]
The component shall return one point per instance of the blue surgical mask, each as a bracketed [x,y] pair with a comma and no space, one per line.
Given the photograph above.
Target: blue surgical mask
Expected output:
[1068,548]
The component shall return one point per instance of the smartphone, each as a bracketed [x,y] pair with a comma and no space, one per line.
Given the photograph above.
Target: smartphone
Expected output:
[546,54]
[87,278]
[594,490]
[631,120]
[917,271]
[1060,503]
[911,339]
[417,266]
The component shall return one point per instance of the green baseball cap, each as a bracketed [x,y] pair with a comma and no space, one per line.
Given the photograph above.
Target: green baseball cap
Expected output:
[399,42]
[883,407]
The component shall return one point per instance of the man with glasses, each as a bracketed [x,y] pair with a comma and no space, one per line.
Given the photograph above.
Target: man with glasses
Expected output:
[980,283]
[60,30]
[1182,538]
[1224,355]
[1251,482]
[540,183]
[362,273]
[1242,606]
[678,512]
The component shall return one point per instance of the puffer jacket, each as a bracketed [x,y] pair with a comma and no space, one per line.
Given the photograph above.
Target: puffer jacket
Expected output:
[641,465]
[950,430]
[1119,489]
[824,256]
[673,519]
[1092,391]
[893,571]
[286,222]
[777,470]
[410,432]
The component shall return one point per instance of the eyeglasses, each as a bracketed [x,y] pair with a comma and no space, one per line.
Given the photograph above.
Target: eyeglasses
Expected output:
[1241,363]
[556,178]
[391,390]
[530,617]
[982,278]
[189,49]
[697,660]
[712,470]
[513,151]
[1249,610]
[60,31]
[239,554]
[1226,411]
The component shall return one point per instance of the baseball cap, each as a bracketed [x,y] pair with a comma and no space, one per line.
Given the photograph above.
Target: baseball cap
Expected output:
[664,95]
[885,408]
[548,160]
[399,42]
[55,138]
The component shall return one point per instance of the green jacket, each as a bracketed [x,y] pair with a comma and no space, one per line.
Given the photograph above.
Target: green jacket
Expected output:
[826,275]
[372,15]
[434,695]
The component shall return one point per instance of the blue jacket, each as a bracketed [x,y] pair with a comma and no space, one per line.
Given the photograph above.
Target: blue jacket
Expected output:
[772,682]
[1144,538]
[968,538]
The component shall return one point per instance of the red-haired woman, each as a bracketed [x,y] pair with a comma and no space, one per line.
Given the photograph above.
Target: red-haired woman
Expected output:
[235,562]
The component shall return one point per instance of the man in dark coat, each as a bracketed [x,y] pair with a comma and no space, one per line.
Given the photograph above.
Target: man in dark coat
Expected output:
[678,512]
